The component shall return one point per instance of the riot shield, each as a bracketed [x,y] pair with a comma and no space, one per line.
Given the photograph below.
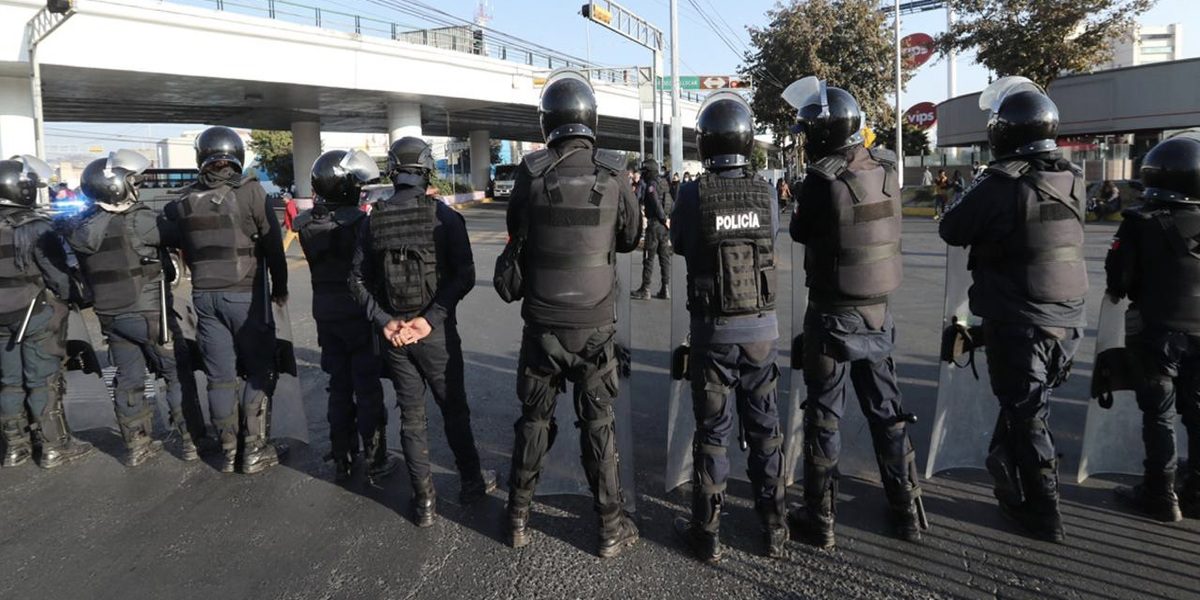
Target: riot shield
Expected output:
[966,408]
[288,417]
[1112,435]
[857,456]
[88,401]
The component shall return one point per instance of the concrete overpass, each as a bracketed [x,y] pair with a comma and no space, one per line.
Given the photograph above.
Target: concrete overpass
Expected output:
[141,61]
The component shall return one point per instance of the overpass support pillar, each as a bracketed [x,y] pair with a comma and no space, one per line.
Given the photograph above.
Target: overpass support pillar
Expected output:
[306,147]
[404,119]
[16,117]
[481,159]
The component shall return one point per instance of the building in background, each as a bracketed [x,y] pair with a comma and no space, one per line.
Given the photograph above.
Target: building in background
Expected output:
[1148,45]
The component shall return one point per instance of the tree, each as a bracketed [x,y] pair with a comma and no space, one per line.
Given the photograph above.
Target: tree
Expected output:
[1040,39]
[274,155]
[916,140]
[844,42]
[758,159]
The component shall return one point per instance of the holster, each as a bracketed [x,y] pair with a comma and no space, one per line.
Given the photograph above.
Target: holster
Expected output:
[1117,369]
[681,363]
[958,339]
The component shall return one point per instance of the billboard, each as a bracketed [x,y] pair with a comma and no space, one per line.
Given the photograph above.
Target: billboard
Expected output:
[922,115]
[916,49]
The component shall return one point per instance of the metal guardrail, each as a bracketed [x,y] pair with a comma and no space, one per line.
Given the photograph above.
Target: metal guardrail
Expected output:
[465,38]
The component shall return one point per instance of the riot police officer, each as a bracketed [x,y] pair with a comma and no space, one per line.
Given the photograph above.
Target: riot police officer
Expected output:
[726,222]
[33,327]
[653,193]
[350,346]
[225,226]
[1023,221]
[121,256]
[848,218]
[574,213]
[1154,262]
[411,268]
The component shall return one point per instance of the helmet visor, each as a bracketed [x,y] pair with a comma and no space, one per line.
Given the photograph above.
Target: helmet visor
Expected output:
[993,96]
[36,167]
[808,91]
[126,160]
[566,73]
[361,165]
[1191,134]
[715,97]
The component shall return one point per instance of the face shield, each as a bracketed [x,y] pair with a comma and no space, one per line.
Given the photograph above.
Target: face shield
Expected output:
[36,170]
[564,74]
[361,165]
[806,92]
[724,95]
[995,94]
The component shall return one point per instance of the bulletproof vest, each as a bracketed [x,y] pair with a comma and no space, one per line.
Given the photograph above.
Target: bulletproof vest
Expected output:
[218,237]
[20,279]
[328,238]
[662,189]
[733,273]
[402,238]
[1168,280]
[570,253]
[1044,255]
[117,272]
[859,259]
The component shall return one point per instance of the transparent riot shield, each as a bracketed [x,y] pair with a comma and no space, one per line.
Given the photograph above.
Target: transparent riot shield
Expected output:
[966,409]
[88,401]
[1112,435]
[681,421]
[288,417]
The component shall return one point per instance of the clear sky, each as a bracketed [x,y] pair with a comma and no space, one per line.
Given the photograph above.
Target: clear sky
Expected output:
[558,25]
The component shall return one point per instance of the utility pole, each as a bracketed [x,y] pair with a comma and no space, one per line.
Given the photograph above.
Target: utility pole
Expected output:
[43,23]
[676,126]
[899,115]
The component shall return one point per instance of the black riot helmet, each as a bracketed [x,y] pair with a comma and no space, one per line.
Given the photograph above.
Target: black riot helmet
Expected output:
[725,131]
[219,143]
[1023,121]
[568,107]
[650,166]
[20,179]
[1171,171]
[829,117]
[114,180]
[410,153]
[338,176]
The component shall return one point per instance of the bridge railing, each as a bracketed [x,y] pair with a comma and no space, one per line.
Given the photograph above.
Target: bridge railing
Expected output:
[464,38]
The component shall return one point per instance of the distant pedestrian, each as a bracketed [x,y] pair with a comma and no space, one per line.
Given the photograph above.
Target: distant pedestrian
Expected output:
[926,178]
[289,215]
[941,188]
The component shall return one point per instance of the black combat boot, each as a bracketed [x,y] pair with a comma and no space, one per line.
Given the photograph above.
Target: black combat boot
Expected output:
[140,445]
[187,446]
[703,545]
[518,525]
[258,453]
[905,517]
[617,532]
[424,503]
[773,517]
[59,447]
[664,293]
[380,462]
[814,521]
[640,294]
[476,486]
[17,449]
[1039,514]
[702,533]
[1155,496]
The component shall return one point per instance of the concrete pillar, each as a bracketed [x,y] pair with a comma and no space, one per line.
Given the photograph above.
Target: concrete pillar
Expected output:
[404,120]
[481,159]
[306,147]
[16,117]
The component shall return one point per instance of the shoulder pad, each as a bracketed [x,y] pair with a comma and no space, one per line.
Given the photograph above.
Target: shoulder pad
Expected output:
[538,162]
[829,167]
[883,155]
[1012,169]
[302,219]
[1141,213]
[26,217]
[609,159]
[348,215]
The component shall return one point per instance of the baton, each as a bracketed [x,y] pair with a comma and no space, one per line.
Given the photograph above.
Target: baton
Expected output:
[164,332]
[25,321]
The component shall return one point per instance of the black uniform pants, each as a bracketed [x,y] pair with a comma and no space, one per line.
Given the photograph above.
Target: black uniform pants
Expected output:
[28,370]
[747,374]
[549,359]
[846,347]
[134,345]
[350,356]
[1171,363]
[238,344]
[437,362]
[657,243]
[1025,363]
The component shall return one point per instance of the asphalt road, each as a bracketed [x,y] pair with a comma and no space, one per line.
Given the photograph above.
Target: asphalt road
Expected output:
[174,530]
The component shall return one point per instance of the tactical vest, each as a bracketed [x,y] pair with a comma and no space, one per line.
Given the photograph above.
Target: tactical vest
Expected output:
[116,272]
[570,252]
[402,237]
[1044,255]
[1168,280]
[858,261]
[733,273]
[328,239]
[218,238]
[18,286]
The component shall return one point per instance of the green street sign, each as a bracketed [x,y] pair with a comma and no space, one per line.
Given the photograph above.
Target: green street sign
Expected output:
[705,83]
[686,82]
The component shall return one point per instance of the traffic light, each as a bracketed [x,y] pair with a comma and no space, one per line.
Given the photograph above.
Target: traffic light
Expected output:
[60,6]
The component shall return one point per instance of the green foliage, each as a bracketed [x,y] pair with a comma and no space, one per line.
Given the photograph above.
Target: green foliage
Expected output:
[916,140]
[1040,39]
[845,42]
[758,159]
[461,185]
[274,151]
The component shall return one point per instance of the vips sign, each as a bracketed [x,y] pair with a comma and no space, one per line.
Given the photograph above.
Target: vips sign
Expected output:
[916,49]
[922,116]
